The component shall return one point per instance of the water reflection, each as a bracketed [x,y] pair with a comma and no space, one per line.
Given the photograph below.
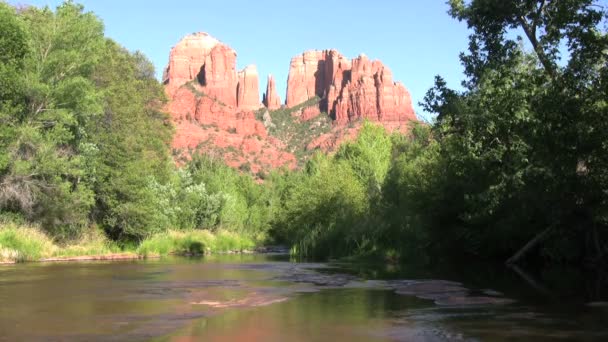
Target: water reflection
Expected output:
[267,298]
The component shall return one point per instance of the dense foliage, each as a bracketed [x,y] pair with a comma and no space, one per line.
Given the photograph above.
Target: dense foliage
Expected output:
[516,162]
[517,158]
[84,141]
[524,144]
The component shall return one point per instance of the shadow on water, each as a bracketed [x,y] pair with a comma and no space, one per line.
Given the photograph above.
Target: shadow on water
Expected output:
[548,285]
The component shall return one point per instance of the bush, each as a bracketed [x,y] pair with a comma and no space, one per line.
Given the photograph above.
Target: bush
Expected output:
[322,213]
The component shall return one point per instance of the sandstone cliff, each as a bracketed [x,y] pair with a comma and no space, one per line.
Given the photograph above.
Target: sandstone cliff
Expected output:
[351,89]
[272,100]
[216,109]
[212,106]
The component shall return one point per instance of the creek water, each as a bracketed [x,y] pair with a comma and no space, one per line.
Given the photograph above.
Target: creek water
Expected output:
[269,298]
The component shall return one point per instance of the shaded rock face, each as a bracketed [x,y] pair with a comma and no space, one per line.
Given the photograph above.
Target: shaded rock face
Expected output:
[272,100]
[212,106]
[351,90]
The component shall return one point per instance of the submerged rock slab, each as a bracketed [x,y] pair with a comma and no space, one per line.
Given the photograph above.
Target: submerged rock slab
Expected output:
[251,300]
[447,293]
[472,300]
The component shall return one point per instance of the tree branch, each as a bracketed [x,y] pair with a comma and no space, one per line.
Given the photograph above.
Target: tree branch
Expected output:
[531,244]
[530,31]
[539,11]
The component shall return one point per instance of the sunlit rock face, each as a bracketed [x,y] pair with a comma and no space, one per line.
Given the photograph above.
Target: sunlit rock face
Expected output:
[213,105]
[351,89]
[203,61]
[247,92]
[272,100]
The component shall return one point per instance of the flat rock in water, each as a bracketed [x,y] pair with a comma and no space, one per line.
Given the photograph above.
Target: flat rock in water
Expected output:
[477,300]
[447,293]
[489,292]
[368,284]
[252,300]
[598,304]
[430,289]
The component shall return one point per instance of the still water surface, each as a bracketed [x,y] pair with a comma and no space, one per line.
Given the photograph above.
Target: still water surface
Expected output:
[268,298]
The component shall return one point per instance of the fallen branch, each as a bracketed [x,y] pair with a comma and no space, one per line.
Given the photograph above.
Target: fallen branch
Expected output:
[530,280]
[531,244]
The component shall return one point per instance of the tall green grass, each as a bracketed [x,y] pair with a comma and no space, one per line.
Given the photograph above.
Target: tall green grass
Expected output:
[20,243]
[93,242]
[193,242]
[23,243]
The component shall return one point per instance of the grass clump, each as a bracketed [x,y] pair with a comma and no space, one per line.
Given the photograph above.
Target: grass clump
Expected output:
[93,242]
[193,242]
[20,243]
[23,243]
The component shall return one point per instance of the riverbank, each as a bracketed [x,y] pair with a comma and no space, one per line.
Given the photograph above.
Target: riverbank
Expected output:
[20,243]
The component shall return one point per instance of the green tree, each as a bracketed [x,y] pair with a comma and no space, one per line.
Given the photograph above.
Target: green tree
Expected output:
[324,213]
[369,156]
[523,145]
[246,206]
[42,171]
[82,125]
[128,143]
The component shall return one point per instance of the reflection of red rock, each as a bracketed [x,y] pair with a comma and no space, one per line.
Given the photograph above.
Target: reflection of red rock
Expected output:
[271,98]
[211,105]
[353,90]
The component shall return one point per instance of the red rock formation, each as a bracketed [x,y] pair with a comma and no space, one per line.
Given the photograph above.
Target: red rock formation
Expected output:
[218,75]
[337,69]
[211,106]
[186,60]
[210,66]
[352,90]
[272,100]
[247,91]
[306,77]
[309,113]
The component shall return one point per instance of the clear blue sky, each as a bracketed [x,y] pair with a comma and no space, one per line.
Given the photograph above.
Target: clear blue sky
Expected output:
[415,39]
